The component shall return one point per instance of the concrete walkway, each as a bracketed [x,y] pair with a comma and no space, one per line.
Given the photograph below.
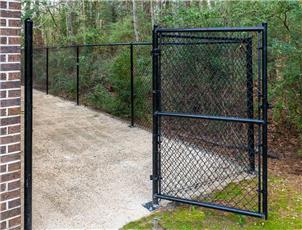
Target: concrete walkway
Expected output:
[89,169]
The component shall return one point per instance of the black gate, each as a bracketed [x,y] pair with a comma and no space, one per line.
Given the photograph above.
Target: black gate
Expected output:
[210,118]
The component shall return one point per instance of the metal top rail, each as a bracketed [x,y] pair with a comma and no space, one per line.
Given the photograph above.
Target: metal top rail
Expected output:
[92,45]
[212,29]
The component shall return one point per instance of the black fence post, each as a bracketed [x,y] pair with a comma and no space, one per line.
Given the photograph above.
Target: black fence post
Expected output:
[47,70]
[132,84]
[264,116]
[155,136]
[28,95]
[78,75]
[250,106]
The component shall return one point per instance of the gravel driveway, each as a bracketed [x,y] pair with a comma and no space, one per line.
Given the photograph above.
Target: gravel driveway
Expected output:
[89,169]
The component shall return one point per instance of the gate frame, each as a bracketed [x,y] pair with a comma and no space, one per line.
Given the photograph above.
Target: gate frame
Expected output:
[157,114]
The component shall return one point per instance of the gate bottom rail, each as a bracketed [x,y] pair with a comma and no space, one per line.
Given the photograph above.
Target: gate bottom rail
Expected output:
[210,205]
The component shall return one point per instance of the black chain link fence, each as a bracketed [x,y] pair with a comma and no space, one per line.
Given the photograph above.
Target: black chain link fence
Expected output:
[143,86]
[209,106]
[99,76]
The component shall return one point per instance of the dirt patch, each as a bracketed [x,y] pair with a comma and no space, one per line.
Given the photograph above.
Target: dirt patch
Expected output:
[283,147]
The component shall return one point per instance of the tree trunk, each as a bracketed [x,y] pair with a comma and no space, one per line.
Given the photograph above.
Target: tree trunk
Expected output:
[152,13]
[135,22]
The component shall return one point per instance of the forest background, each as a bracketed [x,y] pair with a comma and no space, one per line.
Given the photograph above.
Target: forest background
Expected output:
[59,23]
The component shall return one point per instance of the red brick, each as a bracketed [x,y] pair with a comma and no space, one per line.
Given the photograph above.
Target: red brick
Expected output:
[3,94]
[3,112]
[3,40]
[10,139]
[2,187]
[14,93]
[10,66]
[10,176]
[13,148]
[14,23]
[3,207]
[3,131]
[14,58]
[3,76]
[14,166]
[3,58]
[13,40]
[14,111]
[14,129]
[14,222]
[11,213]
[3,225]
[10,102]
[14,76]
[10,121]
[3,4]
[10,57]
[3,168]
[3,22]
[10,14]
[14,203]
[10,157]
[10,195]
[10,49]
[14,6]
[2,149]
[13,185]
[10,84]
[10,32]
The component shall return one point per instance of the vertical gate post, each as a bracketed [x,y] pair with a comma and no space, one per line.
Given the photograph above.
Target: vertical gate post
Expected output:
[155,117]
[250,106]
[132,84]
[264,116]
[259,109]
[28,125]
[78,76]
[46,70]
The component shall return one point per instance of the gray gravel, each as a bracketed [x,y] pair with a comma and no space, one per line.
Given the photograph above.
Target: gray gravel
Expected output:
[89,169]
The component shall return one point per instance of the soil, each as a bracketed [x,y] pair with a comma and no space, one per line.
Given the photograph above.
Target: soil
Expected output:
[283,147]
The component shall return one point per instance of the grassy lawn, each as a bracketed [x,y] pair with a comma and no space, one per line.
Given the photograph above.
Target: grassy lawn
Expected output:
[285,212]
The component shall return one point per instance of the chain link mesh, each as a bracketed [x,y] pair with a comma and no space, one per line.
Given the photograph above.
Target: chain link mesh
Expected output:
[62,72]
[212,74]
[39,73]
[143,86]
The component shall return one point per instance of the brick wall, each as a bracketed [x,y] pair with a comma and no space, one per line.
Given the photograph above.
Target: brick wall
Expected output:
[10,202]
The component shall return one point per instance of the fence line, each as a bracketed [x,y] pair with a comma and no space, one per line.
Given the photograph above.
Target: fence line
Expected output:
[75,69]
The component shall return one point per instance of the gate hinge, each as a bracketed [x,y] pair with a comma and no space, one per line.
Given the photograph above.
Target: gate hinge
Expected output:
[155,52]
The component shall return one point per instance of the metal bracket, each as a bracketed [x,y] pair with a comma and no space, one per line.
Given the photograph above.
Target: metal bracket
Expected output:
[150,206]
[155,52]
[155,178]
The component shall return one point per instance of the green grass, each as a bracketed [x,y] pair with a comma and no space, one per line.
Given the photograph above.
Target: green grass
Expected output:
[285,211]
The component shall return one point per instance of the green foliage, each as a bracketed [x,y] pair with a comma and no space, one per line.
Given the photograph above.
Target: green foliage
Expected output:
[68,22]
